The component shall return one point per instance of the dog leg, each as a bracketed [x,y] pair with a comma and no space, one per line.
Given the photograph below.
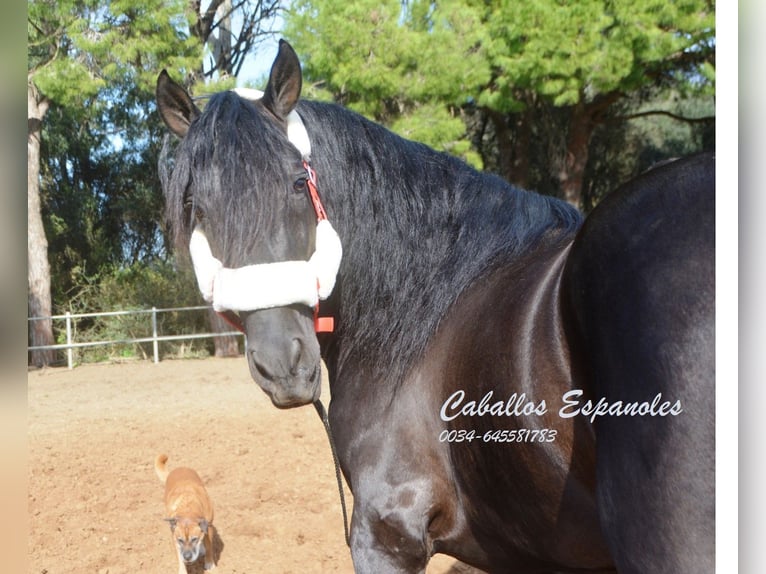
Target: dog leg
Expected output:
[208,541]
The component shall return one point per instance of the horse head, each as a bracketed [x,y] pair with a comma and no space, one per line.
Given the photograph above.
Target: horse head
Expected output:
[236,197]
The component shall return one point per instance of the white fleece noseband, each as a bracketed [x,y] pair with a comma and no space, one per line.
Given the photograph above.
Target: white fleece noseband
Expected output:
[268,285]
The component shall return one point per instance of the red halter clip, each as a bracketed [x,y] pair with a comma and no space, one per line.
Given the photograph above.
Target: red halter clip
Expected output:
[321,324]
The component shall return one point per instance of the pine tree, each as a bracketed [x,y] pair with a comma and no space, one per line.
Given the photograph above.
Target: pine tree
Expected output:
[96,61]
[537,75]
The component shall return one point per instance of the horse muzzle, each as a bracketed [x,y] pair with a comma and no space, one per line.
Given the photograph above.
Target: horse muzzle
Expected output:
[283,354]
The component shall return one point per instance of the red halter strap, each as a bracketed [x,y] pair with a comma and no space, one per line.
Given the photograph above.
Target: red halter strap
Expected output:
[321,324]
[232,319]
[313,193]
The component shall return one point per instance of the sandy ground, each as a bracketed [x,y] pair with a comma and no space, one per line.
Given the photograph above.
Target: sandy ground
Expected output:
[95,503]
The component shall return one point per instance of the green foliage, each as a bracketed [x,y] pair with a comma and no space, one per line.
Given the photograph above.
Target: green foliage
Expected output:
[526,66]
[397,63]
[96,63]
[377,55]
[80,52]
[441,127]
[102,206]
[568,52]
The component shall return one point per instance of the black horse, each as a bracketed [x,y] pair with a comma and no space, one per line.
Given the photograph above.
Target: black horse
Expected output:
[510,385]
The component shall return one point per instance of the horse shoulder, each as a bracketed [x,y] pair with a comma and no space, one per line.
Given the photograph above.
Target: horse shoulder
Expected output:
[498,367]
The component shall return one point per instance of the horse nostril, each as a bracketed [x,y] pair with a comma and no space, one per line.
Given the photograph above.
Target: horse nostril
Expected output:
[296,352]
[262,369]
[275,366]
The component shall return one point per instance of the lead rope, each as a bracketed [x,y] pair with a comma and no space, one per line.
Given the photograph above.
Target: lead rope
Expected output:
[326,422]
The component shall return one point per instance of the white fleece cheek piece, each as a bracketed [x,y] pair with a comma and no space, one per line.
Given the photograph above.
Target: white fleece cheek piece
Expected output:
[205,265]
[325,260]
[268,285]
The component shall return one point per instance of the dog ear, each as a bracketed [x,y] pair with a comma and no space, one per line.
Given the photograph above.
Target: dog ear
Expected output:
[172,522]
[203,525]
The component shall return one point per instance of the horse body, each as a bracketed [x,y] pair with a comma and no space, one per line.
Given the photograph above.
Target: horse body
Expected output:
[647,328]
[469,308]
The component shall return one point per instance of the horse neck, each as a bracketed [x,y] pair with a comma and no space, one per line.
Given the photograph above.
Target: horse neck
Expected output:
[417,228]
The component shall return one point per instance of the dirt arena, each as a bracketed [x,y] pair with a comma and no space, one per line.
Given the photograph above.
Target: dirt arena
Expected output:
[95,503]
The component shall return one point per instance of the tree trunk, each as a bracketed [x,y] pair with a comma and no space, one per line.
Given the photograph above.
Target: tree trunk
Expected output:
[225,346]
[222,46]
[583,121]
[38,269]
[572,170]
[512,146]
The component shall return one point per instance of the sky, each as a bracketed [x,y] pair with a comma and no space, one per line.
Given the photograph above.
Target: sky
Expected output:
[256,67]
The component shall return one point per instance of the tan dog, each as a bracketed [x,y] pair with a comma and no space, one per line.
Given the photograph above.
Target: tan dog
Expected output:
[189,512]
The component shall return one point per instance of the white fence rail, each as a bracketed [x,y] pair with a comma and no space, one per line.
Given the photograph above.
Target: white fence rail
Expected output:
[155,338]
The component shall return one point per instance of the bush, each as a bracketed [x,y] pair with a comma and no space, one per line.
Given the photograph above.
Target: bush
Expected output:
[138,287]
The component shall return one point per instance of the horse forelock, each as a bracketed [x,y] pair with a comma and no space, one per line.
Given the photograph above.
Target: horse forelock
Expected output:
[232,158]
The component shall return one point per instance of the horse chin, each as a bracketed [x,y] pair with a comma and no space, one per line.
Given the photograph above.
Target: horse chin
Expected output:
[283,355]
[288,393]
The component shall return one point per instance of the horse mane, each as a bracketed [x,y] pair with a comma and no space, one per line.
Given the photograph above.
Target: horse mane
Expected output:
[418,226]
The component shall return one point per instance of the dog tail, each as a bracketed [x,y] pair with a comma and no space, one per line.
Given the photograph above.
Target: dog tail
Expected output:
[160,468]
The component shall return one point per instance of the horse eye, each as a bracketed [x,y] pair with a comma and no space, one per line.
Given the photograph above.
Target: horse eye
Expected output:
[199,214]
[300,184]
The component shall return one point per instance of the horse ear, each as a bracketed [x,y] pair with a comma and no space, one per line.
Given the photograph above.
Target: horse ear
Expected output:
[285,81]
[175,105]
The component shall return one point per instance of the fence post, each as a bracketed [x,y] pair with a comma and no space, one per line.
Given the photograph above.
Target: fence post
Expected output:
[155,345]
[69,340]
